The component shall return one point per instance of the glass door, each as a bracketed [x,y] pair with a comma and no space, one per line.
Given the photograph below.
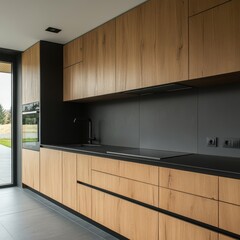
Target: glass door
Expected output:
[6,168]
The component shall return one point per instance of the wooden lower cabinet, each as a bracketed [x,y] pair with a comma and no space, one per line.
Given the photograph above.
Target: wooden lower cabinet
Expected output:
[223,237]
[69,194]
[126,218]
[51,173]
[84,166]
[30,168]
[171,228]
[84,196]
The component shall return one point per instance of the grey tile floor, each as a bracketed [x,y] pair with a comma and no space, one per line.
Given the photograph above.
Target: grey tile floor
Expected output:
[25,215]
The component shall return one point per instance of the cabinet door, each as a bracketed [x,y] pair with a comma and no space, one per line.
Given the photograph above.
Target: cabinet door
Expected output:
[73,82]
[84,200]
[73,52]
[51,173]
[171,228]
[214,41]
[31,74]
[30,168]
[69,197]
[172,42]
[197,6]
[136,47]
[84,165]
[223,237]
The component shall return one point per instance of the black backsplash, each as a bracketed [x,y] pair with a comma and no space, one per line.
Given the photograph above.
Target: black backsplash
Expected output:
[177,121]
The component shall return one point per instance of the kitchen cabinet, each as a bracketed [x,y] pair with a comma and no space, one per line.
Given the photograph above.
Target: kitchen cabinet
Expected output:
[73,52]
[84,200]
[223,237]
[31,74]
[126,218]
[30,168]
[171,42]
[84,165]
[51,170]
[171,228]
[214,41]
[136,47]
[99,60]
[69,180]
[198,6]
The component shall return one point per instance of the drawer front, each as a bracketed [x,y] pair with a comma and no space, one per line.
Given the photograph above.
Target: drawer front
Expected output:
[223,237]
[84,195]
[229,217]
[189,182]
[229,190]
[106,165]
[195,207]
[139,191]
[139,172]
[171,228]
[84,168]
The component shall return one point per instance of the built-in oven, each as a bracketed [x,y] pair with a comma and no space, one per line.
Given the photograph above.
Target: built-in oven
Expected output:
[30,126]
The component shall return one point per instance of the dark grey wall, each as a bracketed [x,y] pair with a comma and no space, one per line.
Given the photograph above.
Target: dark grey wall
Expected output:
[178,121]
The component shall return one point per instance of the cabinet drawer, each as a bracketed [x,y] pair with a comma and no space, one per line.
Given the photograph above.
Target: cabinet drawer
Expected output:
[197,6]
[135,171]
[189,182]
[136,190]
[128,219]
[171,228]
[223,237]
[229,190]
[229,217]
[84,163]
[195,207]
[84,196]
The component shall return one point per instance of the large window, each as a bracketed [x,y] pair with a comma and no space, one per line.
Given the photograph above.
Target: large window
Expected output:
[6,163]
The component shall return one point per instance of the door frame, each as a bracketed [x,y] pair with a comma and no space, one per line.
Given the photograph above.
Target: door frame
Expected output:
[14,57]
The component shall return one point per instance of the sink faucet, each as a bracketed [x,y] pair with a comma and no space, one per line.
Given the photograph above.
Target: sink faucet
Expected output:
[90,137]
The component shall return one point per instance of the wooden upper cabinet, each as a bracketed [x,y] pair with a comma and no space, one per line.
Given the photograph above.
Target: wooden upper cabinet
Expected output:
[197,6]
[171,228]
[136,47]
[31,74]
[73,52]
[214,41]
[99,60]
[171,43]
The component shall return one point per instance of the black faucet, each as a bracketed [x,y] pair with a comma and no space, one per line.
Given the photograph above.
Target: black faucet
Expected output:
[90,137]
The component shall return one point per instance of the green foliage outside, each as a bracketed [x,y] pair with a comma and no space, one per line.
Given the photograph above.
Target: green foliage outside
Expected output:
[5,142]
[5,115]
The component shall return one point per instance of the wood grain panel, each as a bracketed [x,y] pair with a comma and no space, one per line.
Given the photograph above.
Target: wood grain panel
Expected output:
[51,173]
[137,222]
[229,217]
[68,84]
[106,52]
[106,165]
[195,183]
[84,200]
[214,41]
[229,190]
[198,208]
[73,52]
[139,172]
[172,41]
[30,168]
[197,6]
[135,47]
[31,74]
[106,210]
[174,229]
[84,165]
[223,237]
[136,190]
[69,197]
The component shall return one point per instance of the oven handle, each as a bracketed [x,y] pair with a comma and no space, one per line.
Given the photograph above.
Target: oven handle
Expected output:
[32,112]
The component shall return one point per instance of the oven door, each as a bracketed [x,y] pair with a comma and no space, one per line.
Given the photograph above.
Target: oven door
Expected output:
[30,130]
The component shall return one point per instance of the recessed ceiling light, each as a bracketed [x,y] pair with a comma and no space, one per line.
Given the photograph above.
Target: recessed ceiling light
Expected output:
[53,30]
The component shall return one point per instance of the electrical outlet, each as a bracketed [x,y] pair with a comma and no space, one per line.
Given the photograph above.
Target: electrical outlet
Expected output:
[212,141]
[231,143]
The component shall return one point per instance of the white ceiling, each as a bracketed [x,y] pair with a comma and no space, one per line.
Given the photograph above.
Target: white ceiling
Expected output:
[23,22]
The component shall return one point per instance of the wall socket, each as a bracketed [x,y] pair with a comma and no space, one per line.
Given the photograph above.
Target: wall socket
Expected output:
[212,141]
[231,143]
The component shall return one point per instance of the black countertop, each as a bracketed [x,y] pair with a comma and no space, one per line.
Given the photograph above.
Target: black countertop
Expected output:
[214,165]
